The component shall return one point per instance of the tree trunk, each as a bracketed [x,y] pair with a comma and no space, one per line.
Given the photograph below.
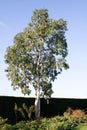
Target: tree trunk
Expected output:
[37,104]
[37,101]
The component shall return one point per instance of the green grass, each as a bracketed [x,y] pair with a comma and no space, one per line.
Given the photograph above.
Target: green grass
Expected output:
[82,126]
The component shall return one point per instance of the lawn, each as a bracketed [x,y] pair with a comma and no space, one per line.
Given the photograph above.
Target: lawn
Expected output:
[82,126]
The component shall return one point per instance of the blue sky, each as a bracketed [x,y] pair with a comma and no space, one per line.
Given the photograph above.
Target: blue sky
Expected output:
[15,16]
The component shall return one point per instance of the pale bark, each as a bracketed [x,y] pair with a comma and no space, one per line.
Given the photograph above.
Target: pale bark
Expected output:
[37,100]
[37,104]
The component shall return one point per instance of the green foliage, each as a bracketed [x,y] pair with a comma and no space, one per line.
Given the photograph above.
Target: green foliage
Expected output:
[31,110]
[74,113]
[25,111]
[15,110]
[38,54]
[55,123]
[68,112]
[82,126]
[21,126]
[2,121]
[4,125]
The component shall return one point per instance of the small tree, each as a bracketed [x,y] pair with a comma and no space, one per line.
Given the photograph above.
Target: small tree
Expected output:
[38,56]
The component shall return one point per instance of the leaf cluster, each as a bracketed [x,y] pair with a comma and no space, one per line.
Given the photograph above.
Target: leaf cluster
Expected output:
[25,111]
[38,54]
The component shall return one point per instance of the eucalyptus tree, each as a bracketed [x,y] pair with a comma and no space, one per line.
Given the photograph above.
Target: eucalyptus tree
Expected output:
[37,56]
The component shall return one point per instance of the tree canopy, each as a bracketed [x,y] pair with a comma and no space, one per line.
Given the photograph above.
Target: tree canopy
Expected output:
[38,51]
[38,54]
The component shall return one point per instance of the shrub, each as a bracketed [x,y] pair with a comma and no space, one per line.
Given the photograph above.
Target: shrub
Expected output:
[74,113]
[78,113]
[68,112]
[25,111]
[3,125]
[2,121]
[21,126]
[6,127]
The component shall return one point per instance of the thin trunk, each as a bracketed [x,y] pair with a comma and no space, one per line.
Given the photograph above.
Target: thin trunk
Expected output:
[37,104]
[37,101]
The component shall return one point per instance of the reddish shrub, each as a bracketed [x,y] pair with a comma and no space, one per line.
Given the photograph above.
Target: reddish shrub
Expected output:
[77,113]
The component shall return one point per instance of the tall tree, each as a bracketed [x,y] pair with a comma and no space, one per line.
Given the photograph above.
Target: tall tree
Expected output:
[37,56]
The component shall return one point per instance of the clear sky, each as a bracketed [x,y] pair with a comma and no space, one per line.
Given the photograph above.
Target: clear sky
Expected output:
[15,16]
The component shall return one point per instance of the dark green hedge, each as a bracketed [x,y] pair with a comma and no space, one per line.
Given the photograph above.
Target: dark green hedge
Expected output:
[7,106]
[56,106]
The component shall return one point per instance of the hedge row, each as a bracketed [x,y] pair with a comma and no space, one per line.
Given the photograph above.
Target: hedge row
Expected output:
[56,106]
